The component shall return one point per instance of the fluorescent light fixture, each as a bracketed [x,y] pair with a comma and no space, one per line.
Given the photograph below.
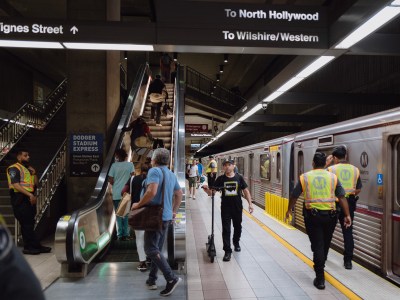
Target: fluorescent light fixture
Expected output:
[99,46]
[30,44]
[220,134]
[315,66]
[382,17]
[289,84]
[233,125]
[250,112]
[272,97]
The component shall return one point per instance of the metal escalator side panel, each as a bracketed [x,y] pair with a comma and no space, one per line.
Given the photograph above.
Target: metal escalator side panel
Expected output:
[81,236]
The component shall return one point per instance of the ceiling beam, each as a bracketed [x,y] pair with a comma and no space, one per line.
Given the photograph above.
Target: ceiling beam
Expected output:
[291,118]
[9,9]
[378,44]
[244,128]
[207,109]
[337,98]
[205,117]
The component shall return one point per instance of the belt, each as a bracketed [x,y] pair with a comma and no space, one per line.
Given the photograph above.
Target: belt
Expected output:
[317,212]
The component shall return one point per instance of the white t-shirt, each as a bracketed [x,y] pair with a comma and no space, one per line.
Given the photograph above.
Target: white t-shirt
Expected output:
[193,170]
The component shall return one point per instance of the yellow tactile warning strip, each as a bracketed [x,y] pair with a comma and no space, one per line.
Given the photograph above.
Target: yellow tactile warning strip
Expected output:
[328,277]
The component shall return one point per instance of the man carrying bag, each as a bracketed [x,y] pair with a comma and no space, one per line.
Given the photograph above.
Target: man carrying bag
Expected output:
[161,187]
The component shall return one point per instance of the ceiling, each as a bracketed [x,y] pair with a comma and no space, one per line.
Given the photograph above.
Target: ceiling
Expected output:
[363,80]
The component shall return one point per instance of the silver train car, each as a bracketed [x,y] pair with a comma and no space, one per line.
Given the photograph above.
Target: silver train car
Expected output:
[272,168]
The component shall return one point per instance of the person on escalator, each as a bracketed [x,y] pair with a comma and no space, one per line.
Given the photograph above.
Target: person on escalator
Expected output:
[120,172]
[139,129]
[157,94]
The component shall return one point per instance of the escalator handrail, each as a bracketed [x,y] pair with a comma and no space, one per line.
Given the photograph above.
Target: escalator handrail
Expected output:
[98,194]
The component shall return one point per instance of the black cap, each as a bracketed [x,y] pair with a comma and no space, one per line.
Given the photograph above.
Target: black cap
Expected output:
[228,161]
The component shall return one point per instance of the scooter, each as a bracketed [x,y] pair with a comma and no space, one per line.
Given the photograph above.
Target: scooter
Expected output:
[210,245]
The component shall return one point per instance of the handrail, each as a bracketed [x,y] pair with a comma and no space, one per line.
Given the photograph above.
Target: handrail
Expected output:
[209,87]
[50,180]
[87,231]
[29,116]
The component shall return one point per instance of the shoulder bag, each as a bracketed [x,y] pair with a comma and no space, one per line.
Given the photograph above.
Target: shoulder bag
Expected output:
[125,203]
[148,218]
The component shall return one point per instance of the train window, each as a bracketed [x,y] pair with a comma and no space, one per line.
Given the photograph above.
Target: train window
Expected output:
[240,165]
[265,166]
[300,163]
[278,167]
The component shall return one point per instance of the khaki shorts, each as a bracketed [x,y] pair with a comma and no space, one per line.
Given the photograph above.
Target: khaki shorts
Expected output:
[192,181]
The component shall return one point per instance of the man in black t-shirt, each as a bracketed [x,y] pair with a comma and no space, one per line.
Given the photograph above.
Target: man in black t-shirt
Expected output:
[231,185]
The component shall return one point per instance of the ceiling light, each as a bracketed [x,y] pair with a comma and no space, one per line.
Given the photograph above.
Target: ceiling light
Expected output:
[379,19]
[175,56]
[273,96]
[226,56]
[30,44]
[98,46]
[233,125]
[289,84]
[126,55]
[221,134]
[315,66]
[250,112]
[218,77]
[221,68]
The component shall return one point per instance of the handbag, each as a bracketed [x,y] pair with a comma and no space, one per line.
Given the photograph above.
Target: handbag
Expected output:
[156,98]
[143,142]
[148,218]
[125,204]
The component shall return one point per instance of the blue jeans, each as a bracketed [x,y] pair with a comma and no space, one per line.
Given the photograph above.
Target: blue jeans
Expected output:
[122,223]
[153,244]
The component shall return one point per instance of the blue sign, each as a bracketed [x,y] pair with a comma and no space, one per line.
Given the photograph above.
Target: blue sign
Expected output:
[86,154]
[379,179]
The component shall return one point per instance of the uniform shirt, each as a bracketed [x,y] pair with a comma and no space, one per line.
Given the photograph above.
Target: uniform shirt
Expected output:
[298,189]
[231,188]
[15,175]
[155,175]
[121,172]
[358,184]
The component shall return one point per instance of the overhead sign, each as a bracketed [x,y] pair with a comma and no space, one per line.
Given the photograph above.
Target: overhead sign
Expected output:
[86,154]
[196,128]
[233,24]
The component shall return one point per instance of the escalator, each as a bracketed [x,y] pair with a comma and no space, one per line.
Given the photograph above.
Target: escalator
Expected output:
[87,234]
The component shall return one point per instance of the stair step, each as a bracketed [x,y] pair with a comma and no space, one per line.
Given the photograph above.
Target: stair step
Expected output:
[6,209]
[9,218]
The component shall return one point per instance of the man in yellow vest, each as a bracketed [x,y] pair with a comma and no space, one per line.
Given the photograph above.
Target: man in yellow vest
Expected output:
[320,189]
[22,180]
[349,177]
[211,171]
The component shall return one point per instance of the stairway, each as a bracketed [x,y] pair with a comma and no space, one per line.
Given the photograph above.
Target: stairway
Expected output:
[42,146]
[165,131]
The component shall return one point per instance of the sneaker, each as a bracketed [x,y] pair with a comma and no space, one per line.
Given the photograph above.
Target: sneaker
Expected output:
[44,249]
[319,284]
[151,285]
[148,261]
[142,267]
[348,265]
[194,197]
[237,247]
[171,286]
[159,125]
[31,251]
[227,256]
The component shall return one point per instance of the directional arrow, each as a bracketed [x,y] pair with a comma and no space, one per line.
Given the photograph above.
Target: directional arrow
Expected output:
[74,30]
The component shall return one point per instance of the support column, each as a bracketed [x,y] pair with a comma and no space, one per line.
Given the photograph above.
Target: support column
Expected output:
[93,92]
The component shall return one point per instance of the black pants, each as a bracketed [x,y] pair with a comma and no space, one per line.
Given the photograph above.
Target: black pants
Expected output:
[320,231]
[348,232]
[231,213]
[211,179]
[156,110]
[25,213]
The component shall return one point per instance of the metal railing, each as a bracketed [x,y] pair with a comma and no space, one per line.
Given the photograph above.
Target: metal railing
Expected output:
[50,180]
[210,88]
[30,116]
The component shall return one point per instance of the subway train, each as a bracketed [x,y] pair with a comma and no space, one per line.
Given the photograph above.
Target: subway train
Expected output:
[272,168]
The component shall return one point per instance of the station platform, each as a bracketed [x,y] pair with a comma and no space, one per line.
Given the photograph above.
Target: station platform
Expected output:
[274,263]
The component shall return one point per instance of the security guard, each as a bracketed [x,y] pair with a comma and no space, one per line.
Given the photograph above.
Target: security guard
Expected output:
[349,177]
[22,180]
[211,171]
[17,280]
[320,189]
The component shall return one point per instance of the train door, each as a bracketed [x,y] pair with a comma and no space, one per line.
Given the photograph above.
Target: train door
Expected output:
[393,201]
[251,181]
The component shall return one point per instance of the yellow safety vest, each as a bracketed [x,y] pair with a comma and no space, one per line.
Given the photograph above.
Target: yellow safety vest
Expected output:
[347,175]
[211,170]
[27,181]
[319,189]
